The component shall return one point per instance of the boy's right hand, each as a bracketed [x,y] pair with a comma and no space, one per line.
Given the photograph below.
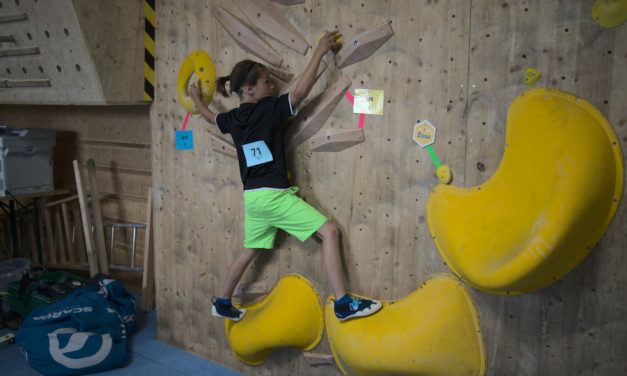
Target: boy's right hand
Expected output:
[328,41]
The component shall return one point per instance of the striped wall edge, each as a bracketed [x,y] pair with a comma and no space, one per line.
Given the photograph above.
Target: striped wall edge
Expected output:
[149,50]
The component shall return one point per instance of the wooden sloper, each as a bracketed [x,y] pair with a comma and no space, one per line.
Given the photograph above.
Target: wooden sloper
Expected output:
[7,39]
[223,147]
[12,17]
[246,37]
[281,74]
[290,86]
[40,82]
[363,45]
[18,51]
[309,121]
[266,17]
[336,140]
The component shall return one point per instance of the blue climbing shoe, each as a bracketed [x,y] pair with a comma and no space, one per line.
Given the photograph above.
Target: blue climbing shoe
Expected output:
[356,308]
[227,311]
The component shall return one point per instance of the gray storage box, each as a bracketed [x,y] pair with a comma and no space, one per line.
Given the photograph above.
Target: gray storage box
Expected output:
[26,160]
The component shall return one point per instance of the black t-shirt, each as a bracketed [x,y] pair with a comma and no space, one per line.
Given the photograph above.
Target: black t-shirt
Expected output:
[257,130]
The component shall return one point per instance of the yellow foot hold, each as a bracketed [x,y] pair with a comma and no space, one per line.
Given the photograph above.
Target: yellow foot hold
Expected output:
[609,13]
[290,316]
[531,76]
[433,331]
[549,202]
[200,64]
[444,174]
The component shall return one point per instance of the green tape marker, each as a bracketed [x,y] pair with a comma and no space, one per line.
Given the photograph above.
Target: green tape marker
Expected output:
[433,156]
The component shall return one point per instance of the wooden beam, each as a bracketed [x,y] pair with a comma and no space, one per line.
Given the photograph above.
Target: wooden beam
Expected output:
[363,45]
[266,17]
[85,215]
[310,119]
[97,216]
[223,147]
[335,140]
[245,37]
[148,277]
[21,16]
[18,51]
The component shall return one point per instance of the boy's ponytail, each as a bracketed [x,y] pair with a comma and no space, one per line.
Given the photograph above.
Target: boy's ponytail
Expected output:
[221,85]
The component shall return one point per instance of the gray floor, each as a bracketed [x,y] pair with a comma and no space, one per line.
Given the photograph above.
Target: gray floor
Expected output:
[148,356]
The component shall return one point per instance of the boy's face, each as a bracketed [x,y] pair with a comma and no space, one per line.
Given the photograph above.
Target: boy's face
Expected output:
[264,86]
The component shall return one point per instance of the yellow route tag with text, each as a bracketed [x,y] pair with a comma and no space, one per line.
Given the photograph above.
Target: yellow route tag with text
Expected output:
[368,102]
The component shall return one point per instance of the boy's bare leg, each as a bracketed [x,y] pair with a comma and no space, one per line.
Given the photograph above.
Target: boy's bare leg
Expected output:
[237,269]
[330,234]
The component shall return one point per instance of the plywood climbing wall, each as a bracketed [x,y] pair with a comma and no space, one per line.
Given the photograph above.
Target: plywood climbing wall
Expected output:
[458,64]
[71,52]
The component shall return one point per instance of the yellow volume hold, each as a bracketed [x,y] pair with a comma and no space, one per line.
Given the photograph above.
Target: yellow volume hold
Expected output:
[200,64]
[289,316]
[547,205]
[433,331]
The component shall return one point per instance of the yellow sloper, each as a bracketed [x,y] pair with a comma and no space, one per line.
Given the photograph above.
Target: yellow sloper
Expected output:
[549,202]
[289,316]
[433,331]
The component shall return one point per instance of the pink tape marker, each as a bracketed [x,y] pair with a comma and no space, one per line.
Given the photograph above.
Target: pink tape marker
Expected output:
[362,117]
[185,121]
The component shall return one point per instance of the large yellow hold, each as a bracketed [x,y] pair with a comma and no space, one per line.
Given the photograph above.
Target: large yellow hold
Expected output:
[434,331]
[289,316]
[547,205]
[197,63]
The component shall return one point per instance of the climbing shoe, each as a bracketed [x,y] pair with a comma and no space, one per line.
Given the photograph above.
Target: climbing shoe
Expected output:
[355,307]
[226,310]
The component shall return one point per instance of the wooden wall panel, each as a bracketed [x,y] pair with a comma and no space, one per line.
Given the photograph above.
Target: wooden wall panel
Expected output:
[458,64]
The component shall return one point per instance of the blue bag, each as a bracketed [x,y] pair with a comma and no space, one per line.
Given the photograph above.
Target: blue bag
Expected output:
[85,332]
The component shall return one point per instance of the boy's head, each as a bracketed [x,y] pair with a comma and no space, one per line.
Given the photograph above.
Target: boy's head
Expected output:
[247,77]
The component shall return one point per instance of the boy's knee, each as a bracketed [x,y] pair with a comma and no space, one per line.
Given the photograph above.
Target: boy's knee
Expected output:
[330,229]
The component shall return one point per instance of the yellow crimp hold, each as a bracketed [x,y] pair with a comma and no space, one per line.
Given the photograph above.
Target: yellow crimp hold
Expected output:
[609,13]
[200,63]
[551,199]
[433,331]
[289,316]
[531,76]
[444,174]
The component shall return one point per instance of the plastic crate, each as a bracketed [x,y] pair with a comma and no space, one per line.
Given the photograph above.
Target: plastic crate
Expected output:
[33,299]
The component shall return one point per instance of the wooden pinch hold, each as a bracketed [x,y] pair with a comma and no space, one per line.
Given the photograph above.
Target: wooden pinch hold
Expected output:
[245,37]
[310,119]
[18,51]
[290,86]
[363,45]
[7,38]
[25,83]
[289,2]
[266,17]
[280,74]
[250,291]
[21,16]
[335,140]
[223,147]
[315,360]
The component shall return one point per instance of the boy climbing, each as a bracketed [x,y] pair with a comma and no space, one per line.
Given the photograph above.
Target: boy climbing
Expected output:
[270,201]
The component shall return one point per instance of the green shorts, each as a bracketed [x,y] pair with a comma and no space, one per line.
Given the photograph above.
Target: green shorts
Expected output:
[267,210]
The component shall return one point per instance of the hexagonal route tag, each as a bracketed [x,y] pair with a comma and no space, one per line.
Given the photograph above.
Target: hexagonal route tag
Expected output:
[424,133]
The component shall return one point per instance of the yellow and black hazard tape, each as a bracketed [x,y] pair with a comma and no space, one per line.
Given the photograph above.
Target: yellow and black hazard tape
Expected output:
[149,50]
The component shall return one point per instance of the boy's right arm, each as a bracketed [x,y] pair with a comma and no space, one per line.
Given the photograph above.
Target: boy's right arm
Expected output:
[308,77]
[194,93]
